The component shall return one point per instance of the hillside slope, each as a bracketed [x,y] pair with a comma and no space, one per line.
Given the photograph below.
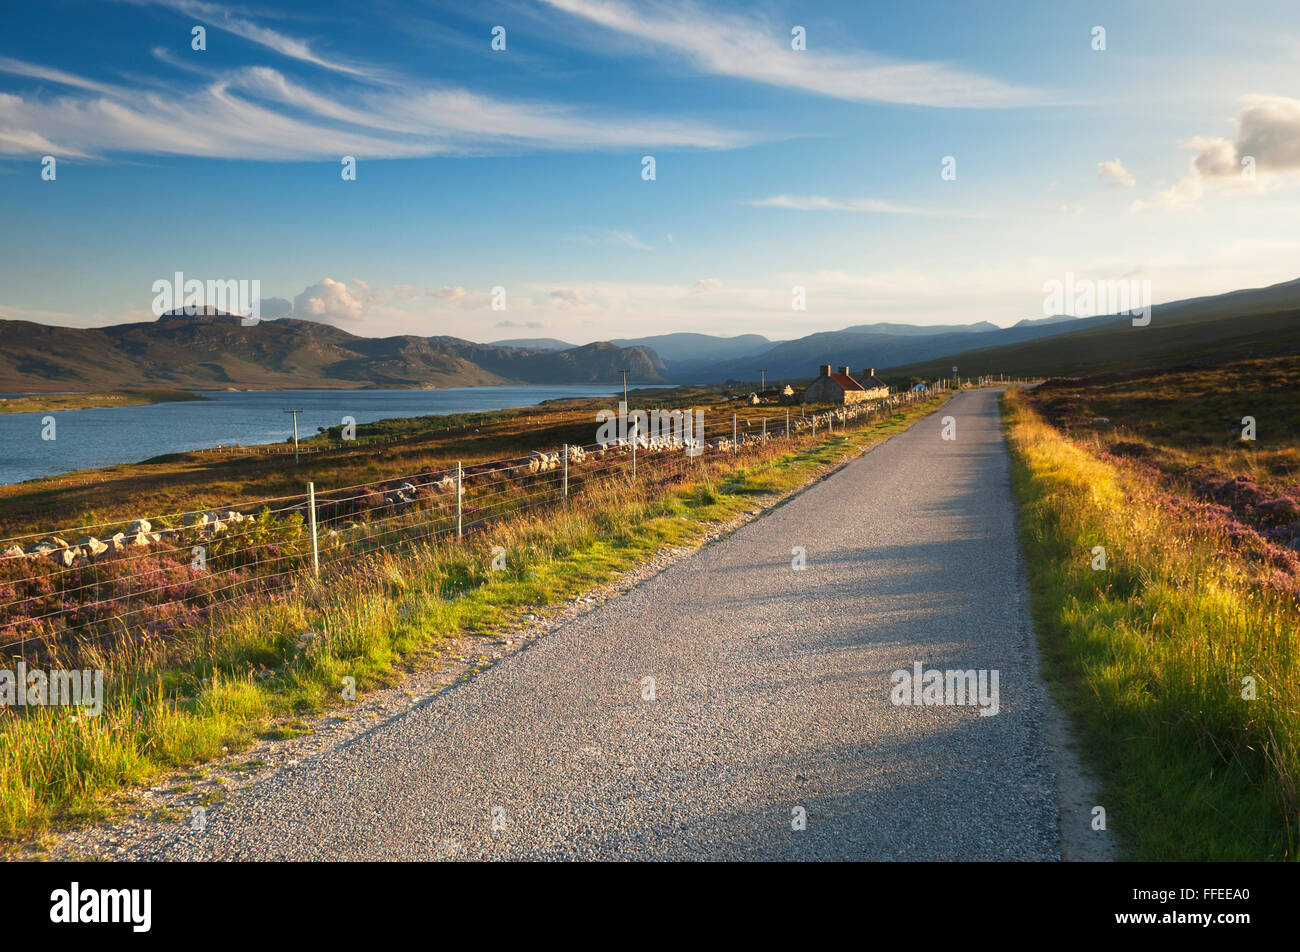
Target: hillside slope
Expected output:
[216,352]
[1121,346]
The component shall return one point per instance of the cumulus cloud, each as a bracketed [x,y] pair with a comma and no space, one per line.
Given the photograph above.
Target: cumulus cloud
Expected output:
[333,302]
[1114,173]
[450,293]
[568,297]
[1264,152]
[1268,130]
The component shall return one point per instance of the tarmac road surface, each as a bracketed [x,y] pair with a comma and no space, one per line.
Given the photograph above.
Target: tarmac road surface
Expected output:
[771,695]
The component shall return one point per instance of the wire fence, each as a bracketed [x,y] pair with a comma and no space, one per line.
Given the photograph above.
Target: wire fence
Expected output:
[151,576]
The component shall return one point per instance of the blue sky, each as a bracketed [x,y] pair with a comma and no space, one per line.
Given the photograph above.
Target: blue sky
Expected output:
[521,168]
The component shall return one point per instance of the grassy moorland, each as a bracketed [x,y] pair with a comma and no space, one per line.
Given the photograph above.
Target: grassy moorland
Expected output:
[1218,335]
[247,669]
[1179,658]
[383,450]
[39,403]
[1184,427]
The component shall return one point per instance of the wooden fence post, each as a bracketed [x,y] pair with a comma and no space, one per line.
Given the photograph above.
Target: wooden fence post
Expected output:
[315,552]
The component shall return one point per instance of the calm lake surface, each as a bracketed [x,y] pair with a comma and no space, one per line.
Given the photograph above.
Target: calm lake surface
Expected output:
[101,437]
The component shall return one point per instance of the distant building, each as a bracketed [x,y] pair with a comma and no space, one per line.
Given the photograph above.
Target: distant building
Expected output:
[753,399]
[835,388]
[919,388]
[876,388]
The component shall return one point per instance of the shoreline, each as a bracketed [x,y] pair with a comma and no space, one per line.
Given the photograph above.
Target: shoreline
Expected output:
[169,481]
[95,400]
[522,399]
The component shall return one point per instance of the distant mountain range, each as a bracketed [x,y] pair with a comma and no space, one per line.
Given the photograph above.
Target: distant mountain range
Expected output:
[701,358]
[1222,327]
[865,346]
[214,351]
[535,343]
[676,349]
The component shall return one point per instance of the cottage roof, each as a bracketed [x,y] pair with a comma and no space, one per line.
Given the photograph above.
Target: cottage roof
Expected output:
[846,382]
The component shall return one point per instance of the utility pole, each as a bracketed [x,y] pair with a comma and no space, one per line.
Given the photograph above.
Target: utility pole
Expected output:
[295,433]
[762,381]
[624,373]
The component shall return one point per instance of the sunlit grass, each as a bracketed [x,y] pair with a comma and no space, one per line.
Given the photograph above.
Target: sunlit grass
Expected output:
[1150,656]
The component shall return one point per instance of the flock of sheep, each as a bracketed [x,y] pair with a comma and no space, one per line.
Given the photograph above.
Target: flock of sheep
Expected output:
[205,526]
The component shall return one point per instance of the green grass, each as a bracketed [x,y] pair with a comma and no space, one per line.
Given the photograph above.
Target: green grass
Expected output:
[181,702]
[1149,656]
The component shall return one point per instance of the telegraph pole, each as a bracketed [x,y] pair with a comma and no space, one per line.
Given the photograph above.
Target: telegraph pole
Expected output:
[624,373]
[295,433]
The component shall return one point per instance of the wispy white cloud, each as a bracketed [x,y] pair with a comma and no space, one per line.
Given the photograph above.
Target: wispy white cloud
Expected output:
[820,203]
[61,77]
[746,48]
[259,113]
[628,239]
[216,15]
[531,325]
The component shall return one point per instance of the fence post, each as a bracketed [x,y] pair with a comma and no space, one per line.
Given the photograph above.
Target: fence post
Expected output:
[733,434]
[787,422]
[459,528]
[635,435]
[764,428]
[315,552]
[566,470]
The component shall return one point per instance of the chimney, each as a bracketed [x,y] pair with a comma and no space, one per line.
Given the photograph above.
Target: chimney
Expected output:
[845,371]
[871,372]
[825,370]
